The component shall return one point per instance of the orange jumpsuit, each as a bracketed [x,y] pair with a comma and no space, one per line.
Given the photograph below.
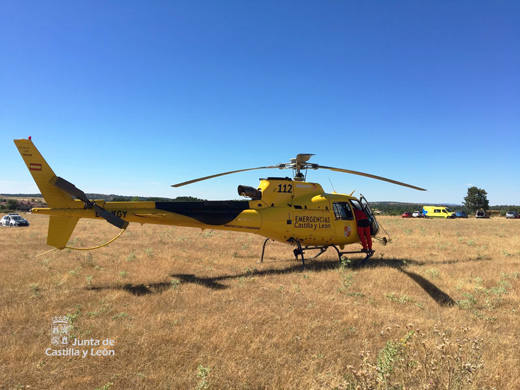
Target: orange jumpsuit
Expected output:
[363,226]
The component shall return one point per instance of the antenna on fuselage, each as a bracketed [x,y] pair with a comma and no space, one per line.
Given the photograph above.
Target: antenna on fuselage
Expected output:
[332,185]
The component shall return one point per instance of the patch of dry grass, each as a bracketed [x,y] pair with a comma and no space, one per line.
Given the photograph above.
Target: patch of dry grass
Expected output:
[436,308]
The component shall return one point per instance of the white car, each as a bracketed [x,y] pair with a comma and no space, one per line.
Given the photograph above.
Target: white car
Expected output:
[13,220]
[481,214]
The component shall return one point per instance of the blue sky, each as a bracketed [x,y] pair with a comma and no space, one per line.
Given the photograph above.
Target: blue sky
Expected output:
[130,97]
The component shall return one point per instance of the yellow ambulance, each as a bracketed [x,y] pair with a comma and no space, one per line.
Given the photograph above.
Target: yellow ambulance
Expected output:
[437,212]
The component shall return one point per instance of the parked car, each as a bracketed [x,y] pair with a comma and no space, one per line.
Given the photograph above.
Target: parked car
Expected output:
[512,214]
[438,212]
[13,220]
[460,214]
[481,214]
[417,214]
[406,214]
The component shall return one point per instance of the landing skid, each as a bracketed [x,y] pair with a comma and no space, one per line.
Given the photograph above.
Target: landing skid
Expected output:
[300,251]
[368,254]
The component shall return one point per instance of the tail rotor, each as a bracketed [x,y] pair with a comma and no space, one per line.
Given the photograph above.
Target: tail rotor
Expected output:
[75,192]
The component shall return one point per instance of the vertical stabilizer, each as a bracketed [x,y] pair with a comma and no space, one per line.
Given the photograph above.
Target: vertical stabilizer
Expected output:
[43,175]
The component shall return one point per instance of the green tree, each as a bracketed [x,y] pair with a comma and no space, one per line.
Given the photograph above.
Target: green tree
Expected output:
[12,204]
[476,199]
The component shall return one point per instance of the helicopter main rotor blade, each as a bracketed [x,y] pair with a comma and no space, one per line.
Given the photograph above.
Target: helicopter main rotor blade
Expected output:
[225,173]
[368,175]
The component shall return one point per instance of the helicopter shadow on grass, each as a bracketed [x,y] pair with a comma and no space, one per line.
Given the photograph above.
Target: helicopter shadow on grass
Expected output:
[215,283]
[439,296]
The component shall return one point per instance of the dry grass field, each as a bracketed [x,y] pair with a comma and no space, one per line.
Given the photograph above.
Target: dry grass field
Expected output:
[438,308]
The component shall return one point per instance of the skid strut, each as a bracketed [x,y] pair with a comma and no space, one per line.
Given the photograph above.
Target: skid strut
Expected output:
[263,250]
[299,250]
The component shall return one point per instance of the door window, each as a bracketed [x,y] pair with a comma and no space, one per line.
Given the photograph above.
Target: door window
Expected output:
[356,204]
[342,210]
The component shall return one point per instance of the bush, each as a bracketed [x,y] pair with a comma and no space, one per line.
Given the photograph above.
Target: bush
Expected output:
[12,204]
[433,360]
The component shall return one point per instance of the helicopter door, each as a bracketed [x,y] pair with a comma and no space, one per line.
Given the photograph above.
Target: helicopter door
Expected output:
[374,226]
[345,223]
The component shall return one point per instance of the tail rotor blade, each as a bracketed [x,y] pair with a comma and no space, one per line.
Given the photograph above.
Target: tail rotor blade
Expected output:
[71,189]
[111,218]
[75,192]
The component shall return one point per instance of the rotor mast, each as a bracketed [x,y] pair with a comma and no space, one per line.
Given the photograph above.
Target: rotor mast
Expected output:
[299,163]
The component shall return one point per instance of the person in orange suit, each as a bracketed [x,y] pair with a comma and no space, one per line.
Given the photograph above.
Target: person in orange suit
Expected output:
[363,226]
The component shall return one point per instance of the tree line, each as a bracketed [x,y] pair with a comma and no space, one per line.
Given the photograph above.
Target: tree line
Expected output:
[10,204]
[475,199]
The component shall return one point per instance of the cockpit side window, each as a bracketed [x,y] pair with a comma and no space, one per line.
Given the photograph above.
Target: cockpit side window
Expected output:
[342,210]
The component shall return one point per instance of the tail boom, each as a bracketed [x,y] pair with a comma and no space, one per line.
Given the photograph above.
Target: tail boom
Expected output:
[65,211]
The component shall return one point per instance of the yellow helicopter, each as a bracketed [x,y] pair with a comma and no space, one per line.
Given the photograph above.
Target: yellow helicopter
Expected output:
[282,209]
